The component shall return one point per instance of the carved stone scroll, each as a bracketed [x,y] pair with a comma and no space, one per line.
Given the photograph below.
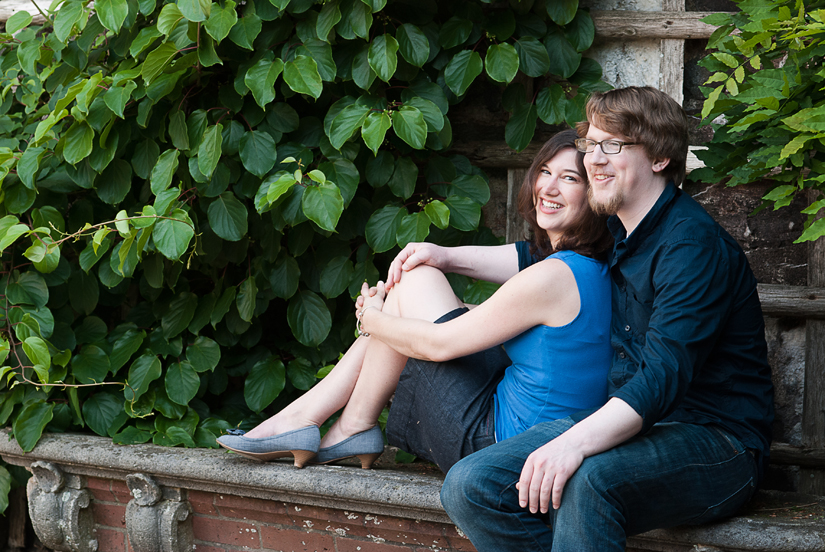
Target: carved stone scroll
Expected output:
[155,524]
[59,509]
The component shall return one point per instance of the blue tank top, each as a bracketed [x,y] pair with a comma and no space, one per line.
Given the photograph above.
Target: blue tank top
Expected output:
[557,371]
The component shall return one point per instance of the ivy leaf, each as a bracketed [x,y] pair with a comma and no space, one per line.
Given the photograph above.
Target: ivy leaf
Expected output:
[301,75]
[581,31]
[10,230]
[323,205]
[283,278]
[277,185]
[221,20]
[383,56]
[346,123]
[245,300]
[38,353]
[409,125]
[329,17]
[551,104]
[181,383]
[565,59]
[28,288]
[258,152]
[112,13]
[91,365]
[362,73]
[414,227]
[439,213]
[70,14]
[464,213]
[245,31]
[301,373]
[77,142]
[472,186]
[562,12]
[533,58]
[143,371]
[413,44]
[227,217]
[117,97]
[209,151]
[164,170]
[309,318]
[169,18]
[195,10]
[375,128]
[157,60]
[19,20]
[462,70]
[260,79]
[100,411]
[179,314]
[336,276]
[455,32]
[124,347]
[432,114]
[520,128]
[29,424]
[321,52]
[501,62]
[29,165]
[402,182]
[203,354]
[173,234]
[382,227]
[265,382]
[115,183]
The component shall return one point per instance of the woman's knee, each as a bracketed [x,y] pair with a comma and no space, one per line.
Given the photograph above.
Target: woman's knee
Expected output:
[423,292]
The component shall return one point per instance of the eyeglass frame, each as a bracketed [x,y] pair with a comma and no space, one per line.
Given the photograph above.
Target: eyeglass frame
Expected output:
[621,144]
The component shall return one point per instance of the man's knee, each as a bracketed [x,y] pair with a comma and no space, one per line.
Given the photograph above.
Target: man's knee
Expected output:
[463,487]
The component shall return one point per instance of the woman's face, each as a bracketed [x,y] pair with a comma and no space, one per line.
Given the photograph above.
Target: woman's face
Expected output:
[560,194]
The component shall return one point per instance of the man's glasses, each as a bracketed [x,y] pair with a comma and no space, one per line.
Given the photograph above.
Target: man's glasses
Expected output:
[609,147]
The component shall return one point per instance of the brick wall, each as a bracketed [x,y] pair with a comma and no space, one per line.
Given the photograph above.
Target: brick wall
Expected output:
[222,522]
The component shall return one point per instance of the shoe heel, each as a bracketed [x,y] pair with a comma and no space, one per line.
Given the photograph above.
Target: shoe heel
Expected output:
[368,459]
[302,457]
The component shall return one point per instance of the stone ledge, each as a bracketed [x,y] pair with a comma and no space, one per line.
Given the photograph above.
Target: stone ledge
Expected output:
[776,523]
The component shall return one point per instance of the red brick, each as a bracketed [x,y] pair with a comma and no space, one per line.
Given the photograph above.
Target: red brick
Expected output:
[226,532]
[121,491]
[202,503]
[110,515]
[101,495]
[207,548]
[300,512]
[109,540]
[100,489]
[256,515]
[351,545]
[244,503]
[292,540]
[408,525]
[458,541]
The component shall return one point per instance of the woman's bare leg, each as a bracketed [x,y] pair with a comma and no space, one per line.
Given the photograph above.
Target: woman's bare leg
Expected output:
[422,293]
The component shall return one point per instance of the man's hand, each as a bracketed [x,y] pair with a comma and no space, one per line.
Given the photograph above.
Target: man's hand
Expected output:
[415,254]
[545,474]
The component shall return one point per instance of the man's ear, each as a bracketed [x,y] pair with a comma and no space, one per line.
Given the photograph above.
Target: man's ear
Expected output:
[660,164]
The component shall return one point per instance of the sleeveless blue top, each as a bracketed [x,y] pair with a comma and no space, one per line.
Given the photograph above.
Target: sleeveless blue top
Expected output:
[558,371]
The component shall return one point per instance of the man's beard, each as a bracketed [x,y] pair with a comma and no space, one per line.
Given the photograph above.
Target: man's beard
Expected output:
[609,207]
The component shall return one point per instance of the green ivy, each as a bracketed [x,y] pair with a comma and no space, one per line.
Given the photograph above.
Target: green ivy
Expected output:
[766,102]
[194,191]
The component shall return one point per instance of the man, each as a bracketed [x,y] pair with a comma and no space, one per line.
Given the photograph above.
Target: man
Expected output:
[685,433]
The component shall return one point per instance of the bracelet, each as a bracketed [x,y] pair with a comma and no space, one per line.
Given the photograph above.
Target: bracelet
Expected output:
[358,323]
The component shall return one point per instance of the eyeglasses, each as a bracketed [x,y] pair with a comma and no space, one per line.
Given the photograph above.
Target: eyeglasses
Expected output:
[609,147]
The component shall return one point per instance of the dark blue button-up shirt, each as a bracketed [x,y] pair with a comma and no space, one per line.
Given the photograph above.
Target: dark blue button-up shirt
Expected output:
[687,327]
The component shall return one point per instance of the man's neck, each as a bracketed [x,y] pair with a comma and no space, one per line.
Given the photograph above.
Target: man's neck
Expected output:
[637,206]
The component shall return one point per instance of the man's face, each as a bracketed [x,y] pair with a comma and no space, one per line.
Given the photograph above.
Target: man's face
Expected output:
[614,178]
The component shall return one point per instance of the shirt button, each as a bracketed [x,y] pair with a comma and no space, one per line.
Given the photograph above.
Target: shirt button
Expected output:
[627,328]
[622,355]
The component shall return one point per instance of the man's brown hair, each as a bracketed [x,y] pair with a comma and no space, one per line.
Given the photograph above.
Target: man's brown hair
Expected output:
[589,236]
[646,116]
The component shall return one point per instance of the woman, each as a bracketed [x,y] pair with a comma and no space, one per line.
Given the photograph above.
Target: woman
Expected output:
[465,394]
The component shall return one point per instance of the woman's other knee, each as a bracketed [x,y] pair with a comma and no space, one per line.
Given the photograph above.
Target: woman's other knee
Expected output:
[423,292]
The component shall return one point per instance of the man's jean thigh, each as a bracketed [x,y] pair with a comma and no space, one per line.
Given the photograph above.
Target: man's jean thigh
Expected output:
[675,474]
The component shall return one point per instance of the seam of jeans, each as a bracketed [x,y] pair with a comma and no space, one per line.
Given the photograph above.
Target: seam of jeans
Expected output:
[698,519]
[537,545]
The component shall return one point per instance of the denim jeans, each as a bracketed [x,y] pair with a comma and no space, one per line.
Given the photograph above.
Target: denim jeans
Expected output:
[675,474]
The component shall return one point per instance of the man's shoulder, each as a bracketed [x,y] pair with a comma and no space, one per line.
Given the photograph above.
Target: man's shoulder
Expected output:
[687,220]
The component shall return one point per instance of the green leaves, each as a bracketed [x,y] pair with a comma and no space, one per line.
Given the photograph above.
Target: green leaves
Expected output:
[502,62]
[309,318]
[408,123]
[227,217]
[29,424]
[265,382]
[112,13]
[323,205]
[383,56]
[462,70]
[302,76]
[261,80]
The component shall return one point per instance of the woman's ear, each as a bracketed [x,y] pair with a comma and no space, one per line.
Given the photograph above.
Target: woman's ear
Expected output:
[660,164]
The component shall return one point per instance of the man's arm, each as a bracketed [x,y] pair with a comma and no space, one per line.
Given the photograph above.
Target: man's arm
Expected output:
[495,264]
[548,468]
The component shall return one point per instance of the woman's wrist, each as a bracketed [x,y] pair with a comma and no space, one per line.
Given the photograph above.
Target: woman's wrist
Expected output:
[359,324]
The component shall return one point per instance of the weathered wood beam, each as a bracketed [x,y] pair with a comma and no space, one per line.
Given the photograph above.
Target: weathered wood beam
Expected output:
[792,301]
[628,24]
[782,453]
[10,7]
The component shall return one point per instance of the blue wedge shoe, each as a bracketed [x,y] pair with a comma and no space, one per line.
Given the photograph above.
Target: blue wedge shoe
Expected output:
[302,444]
[367,446]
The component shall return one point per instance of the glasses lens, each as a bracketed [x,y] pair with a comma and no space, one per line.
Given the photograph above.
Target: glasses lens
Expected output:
[584,145]
[611,146]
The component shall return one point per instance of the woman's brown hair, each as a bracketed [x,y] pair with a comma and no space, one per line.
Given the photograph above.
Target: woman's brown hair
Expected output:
[589,236]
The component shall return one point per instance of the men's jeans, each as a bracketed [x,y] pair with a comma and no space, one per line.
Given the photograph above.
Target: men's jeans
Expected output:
[675,474]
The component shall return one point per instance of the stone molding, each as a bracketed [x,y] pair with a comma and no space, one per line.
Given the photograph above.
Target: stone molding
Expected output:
[59,509]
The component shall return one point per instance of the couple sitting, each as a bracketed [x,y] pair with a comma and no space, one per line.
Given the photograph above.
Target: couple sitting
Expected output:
[655,414]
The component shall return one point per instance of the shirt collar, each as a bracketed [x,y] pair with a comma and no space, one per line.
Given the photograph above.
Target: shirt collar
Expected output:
[649,223]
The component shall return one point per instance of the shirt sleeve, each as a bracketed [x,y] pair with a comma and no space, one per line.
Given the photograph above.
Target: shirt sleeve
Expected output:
[525,259]
[693,295]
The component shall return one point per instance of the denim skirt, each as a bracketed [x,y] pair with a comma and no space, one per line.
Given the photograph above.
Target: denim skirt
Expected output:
[444,411]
